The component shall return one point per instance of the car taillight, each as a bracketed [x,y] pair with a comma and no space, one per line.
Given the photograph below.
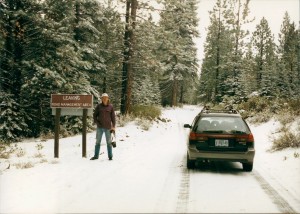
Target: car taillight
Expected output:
[246,140]
[198,137]
[192,136]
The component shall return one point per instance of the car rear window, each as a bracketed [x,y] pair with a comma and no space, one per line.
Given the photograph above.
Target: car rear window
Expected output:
[232,125]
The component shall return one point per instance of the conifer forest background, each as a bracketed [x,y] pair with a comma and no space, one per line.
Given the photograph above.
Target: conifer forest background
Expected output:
[91,47]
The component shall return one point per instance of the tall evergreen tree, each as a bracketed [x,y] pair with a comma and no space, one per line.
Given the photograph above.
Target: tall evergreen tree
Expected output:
[129,51]
[237,19]
[248,75]
[222,69]
[177,50]
[19,30]
[111,46]
[288,80]
[43,52]
[58,65]
[146,75]
[99,33]
[216,66]
[265,58]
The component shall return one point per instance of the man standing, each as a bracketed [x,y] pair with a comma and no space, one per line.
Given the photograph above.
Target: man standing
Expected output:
[104,117]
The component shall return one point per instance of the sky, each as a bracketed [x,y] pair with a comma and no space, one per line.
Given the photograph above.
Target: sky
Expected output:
[272,10]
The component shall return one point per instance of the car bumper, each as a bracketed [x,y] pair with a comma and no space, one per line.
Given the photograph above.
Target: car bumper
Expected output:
[243,157]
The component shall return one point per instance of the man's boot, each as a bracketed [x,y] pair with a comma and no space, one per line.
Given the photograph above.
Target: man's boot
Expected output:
[97,150]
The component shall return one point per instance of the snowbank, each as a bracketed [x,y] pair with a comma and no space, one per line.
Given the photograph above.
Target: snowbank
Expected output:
[281,168]
[146,163]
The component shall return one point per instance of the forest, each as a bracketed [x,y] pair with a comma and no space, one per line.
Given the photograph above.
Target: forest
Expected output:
[118,47]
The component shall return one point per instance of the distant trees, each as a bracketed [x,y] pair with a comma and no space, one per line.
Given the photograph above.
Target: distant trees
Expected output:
[218,51]
[264,55]
[52,47]
[19,27]
[288,54]
[159,58]
[237,63]
[85,47]
[177,50]
[91,47]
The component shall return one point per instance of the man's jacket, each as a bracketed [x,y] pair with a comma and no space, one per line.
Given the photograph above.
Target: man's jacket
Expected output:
[104,116]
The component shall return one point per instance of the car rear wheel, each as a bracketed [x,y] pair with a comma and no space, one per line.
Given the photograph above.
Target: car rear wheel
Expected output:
[247,167]
[190,163]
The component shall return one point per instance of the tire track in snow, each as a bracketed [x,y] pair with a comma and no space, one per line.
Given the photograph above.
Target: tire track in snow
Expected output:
[167,199]
[184,191]
[277,199]
[181,198]
[174,196]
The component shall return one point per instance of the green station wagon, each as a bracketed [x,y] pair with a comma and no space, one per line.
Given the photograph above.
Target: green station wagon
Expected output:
[220,135]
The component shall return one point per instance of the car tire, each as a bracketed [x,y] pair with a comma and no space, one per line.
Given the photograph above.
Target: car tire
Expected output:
[190,163]
[247,167]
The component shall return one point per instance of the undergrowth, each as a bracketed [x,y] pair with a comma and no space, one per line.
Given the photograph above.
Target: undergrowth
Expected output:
[146,112]
[287,138]
[257,110]
[142,115]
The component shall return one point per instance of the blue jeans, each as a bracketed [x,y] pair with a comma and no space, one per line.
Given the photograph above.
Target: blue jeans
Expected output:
[99,134]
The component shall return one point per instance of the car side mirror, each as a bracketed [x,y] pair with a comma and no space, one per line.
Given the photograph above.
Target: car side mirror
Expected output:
[187,126]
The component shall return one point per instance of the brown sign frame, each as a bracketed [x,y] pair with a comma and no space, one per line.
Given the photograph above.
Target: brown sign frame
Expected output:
[71,104]
[82,101]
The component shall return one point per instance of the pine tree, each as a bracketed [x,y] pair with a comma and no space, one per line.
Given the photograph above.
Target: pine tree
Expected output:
[146,91]
[265,58]
[216,75]
[111,46]
[19,29]
[57,64]
[288,82]
[99,34]
[223,72]
[248,76]
[44,52]
[129,51]
[177,50]
[146,69]
[237,19]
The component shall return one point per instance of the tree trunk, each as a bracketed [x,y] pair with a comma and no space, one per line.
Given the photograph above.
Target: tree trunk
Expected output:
[6,75]
[77,18]
[218,61]
[104,85]
[126,58]
[18,52]
[237,40]
[174,92]
[129,45]
[181,93]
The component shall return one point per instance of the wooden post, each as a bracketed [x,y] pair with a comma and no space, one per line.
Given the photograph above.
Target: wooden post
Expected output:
[84,127]
[56,139]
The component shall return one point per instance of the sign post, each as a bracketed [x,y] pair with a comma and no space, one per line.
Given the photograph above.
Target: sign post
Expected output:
[84,132]
[56,138]
[71,104]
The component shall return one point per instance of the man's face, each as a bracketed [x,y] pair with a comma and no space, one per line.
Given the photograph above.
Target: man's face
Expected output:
[104,100]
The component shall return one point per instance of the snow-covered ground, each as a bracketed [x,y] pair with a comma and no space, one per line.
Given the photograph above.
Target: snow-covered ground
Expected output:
[282,168]
[148,174]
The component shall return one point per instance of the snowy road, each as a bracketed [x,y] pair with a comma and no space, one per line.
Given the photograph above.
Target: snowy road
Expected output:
[148,174]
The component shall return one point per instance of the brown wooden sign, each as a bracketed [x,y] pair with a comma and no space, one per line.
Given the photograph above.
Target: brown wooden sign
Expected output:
[71,104]
[71,101]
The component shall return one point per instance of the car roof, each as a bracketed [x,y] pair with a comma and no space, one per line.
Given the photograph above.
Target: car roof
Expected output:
[219,115]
